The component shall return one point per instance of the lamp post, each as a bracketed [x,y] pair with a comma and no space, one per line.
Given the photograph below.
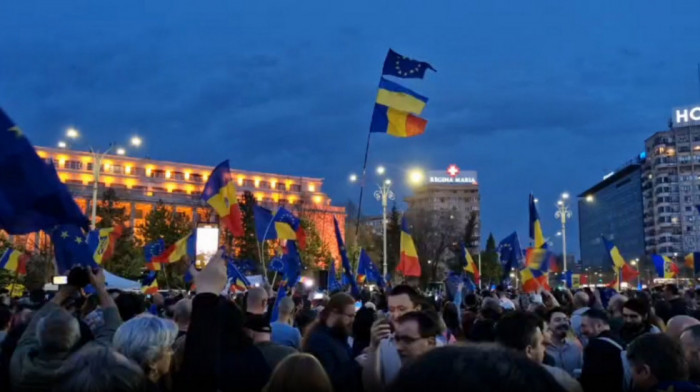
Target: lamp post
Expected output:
[563,213]
[97,158]
[384,194]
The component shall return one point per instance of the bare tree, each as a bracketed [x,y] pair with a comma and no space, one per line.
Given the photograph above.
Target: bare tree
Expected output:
[433,232]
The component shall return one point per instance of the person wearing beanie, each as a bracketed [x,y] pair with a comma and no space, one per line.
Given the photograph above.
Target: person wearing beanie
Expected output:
[258,328]
[635,313]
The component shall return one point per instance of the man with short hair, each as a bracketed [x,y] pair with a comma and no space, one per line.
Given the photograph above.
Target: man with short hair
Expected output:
[676,303]
[690,341]
[415,335]
[678,324]
[182,310]
[580,303]
[383,361]
[657,363]
[282,330]
[566,354]
[522,331]
[52,335]
[635,313]
[258,328]
[602,364]
[256,301]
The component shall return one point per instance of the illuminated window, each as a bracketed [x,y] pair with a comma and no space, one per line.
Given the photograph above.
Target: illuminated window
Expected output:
[288,184]
[170,188]
[276,197]
[273,183]
[167,174]
[127,169]
[187,175]
[148,171]
[189,188]
[240,180]
[257,182]
[205,176]
[317,199]
[292,199]
[149,193]
[312,188]
[62,162]
[259,196]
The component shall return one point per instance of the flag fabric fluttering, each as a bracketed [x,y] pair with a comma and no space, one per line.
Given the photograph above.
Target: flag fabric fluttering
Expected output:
[692,261]
[282,225]
[183,247]
[665,267]
[403,67]
[396,122]
[292,265]
[152,250]
[275,314]
[71,248]
[15,261]
[333,284]
[398,97]
[628,273]
[220,193]
[238,281]
[533,280]
[347,268]
[510,254]
[535,224]
[149,284]
[32,197]
[409,264]
[367,268]
[470,265]
[102,241]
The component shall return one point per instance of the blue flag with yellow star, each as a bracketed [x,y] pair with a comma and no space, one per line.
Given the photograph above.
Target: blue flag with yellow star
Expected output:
[347,269]
[71,248]
[403,67]
[32,197]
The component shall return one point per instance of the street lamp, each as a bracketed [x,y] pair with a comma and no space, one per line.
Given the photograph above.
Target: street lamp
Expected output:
[121,151]
[590,199]
[416,177]
[353,178]
[563,213]
[383,194]
[62,144]
[136,141]
[72,133]
[381,170]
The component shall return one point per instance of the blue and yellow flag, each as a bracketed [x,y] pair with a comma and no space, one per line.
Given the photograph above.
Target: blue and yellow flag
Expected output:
[665,267]
[71,248]
[535,225]
[469,264]
[403,67]
[15,261]
[102,241]
[238,281]
[619,263]
[32,197]
[347,269]
[149,285]
[220,193]
[400,98]
[396,122]
[692,261]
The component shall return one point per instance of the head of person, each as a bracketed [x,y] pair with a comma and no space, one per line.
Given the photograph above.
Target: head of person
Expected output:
[258,328]
[58,332]
[671,291]
[148,341]
[558,322]
[473,368]
[690,342]
[415,334]
[256,301]
[98,369]
[361,327]
[655,358]
[677,324]
[403,299]
[339,314]
[615,305]
[580,300]
[490,309]
[299,373]
[594,322]
[635,313]
[521,331]
[182,310]
[286,309]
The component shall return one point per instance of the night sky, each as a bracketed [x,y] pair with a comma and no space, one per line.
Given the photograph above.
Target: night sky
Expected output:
[540,96]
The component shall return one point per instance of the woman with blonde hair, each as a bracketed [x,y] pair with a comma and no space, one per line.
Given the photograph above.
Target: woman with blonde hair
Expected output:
[299,372]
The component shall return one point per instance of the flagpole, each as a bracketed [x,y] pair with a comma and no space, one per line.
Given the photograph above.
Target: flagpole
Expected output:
[362,188]
[479,280]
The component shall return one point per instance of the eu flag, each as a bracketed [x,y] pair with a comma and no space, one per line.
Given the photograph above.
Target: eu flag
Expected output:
[347,269]
[511,255]
[333,284]
[403,67]
[32,197]
[71,248]
[155,248]
[292,265]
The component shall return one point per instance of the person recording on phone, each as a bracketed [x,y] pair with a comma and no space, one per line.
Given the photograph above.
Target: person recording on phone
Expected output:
[54,334]
[383,358]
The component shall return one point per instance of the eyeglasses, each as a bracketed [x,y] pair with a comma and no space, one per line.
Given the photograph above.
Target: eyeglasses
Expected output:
[406,339]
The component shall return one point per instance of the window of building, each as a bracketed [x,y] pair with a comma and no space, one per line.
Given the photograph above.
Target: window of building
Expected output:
[280,186]
[117,169]
[248,183]
[296,188]
[75,165]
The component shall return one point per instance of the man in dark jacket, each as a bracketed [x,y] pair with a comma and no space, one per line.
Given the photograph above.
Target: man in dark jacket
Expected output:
[328,342]
[677,304]
[602,363]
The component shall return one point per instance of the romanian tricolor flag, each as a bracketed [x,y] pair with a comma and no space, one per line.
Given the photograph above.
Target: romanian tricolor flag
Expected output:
[15,261]
[470,264]
[102,241]
[665,267]
[408,262]
[220,193]
[533,280]
[282,225]
[153,266]
[149,285]
[628,273]
[535,225]
[396,122]
[692,261]
[238,281]
[174,252]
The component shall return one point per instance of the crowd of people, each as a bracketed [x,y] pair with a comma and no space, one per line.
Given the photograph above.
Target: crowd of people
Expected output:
[395,340]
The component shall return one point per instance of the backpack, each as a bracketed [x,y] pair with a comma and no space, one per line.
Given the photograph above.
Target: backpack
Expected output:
[626,370]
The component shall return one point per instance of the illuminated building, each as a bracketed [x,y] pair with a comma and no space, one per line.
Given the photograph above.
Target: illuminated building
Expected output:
[450,194]
[140,183]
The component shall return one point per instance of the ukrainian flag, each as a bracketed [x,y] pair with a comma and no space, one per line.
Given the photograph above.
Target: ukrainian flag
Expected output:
[400,98]
[471,265]
[396,122]
[692,261]
[14,260]
[220,193]
[535,224]
[149,285]
[408,261]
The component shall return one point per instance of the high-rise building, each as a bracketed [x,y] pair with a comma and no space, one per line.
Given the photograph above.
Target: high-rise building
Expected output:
[671,186]
[451,195]
[613,208]
[141,183]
